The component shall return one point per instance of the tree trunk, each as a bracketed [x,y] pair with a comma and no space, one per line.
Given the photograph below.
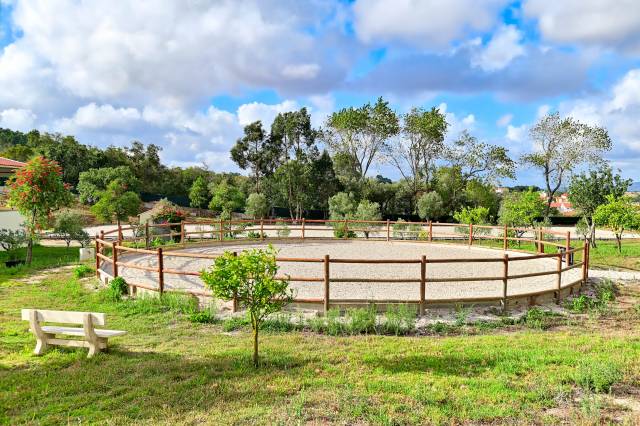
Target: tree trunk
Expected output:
[255,343]
[592,227]
[30,243]
[619,243]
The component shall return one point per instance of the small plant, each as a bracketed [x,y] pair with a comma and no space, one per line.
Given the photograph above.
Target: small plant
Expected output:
[12,240]
[254,235]
[82,271]
[399,320]
[335,325]
[234,323]
[597,376]
[119,286]
[462,315]
[279,323]
[203,317]
[441,327]
[361,321]
[536,318]
[283,229]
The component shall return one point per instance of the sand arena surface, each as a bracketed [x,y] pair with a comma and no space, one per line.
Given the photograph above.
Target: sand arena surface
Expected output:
[367,250]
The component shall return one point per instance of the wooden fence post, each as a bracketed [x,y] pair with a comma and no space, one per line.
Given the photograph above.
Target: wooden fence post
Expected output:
[541,240]
[160,271]
[559,278]
[471,234]
[505,244]
[119,230]
[505,280]
[220,229]
[261,229]
[568,248]
[115,258]
[388,230]
[303,221]
[182,232]
[97,257]
[146,235]
[326,283]
[423,282]
[430,231]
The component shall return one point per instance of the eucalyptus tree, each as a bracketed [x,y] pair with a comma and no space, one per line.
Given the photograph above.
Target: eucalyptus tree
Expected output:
[256,151]
[480,160]
[362,133]
[560,146]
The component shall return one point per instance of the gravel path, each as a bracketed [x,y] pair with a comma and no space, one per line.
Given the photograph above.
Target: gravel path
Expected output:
[371,250]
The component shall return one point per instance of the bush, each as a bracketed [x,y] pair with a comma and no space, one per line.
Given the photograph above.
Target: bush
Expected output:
[536,318]
[203,317]
[68,226]
[597,376]
[257,206]
[82,271]
[119,286]
[283,229]
[253,235]
[280,323]
[361,321]
[12,240]
[399,320]
[235,323]
[166,302]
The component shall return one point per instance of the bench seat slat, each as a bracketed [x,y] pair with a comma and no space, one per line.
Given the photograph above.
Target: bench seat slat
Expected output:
[67,317]
[72,331]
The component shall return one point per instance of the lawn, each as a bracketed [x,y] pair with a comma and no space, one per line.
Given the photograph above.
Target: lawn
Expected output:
[168,370]
[43,257]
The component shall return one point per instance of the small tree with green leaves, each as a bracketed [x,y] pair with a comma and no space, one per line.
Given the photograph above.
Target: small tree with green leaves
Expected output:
[225,198]
[199,193]
[68,226]
[250,278]
[367,211]
[341,208]
[257,206]
[521,210]
[35,191]
[618,214]
[474,216]
[116,203]
[11,240]
[430,206]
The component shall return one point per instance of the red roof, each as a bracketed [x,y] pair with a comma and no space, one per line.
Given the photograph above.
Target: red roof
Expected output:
[5,162]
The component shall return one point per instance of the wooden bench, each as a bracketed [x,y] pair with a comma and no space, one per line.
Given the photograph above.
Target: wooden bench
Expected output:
[94,339]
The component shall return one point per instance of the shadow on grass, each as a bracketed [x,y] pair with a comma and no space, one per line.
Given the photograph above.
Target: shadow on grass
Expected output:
[137,386]
[439,365]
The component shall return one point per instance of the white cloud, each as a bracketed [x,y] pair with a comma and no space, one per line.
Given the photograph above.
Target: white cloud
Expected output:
[425,23]
[17,119]
[254,111]
[516,133]
[618,112]
[456,124]
[163,52]
[591,22]
[543,110]
[504,120]
[503,47]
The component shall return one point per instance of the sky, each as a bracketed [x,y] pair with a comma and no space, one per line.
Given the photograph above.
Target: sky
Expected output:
[188,75]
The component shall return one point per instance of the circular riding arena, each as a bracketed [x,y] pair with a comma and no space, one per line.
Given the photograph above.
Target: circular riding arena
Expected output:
[334,272]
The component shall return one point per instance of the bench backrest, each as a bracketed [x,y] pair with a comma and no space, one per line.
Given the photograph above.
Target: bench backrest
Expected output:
[65,317]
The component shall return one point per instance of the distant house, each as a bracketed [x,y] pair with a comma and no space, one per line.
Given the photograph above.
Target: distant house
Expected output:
[560,203]
[8,168]
[501,189]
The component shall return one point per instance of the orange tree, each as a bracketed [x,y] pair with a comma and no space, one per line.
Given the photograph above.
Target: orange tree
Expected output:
[36,190]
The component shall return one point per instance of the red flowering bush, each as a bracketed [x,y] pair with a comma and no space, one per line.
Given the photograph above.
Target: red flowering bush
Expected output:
[36,190]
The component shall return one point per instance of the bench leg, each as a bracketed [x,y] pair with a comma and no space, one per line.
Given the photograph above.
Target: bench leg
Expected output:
[41,344]
[93,349]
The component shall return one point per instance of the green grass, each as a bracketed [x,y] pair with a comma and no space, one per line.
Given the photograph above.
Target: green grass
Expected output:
[43,257]
[169,370]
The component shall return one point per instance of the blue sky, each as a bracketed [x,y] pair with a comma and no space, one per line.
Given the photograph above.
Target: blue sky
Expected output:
[189,76]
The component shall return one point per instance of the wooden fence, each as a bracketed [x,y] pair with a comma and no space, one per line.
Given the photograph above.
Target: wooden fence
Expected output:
[221,231]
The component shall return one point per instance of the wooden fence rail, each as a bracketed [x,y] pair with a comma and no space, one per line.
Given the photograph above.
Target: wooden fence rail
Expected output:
[120,247]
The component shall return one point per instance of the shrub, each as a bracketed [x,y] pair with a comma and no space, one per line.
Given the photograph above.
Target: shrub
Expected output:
[203,317]
[597,376]
[361,321]
[12,240]
[535,318]
[279,323]
[119,286]
[254,235]
[283,229]
[399,320]
[68,226]
[235,323]
[475,216]
[335,325]
[82,271]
